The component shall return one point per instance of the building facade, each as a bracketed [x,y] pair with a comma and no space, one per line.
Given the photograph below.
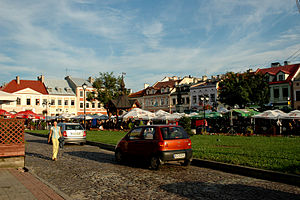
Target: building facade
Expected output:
[281,83]
[204,89]
[91,107]
[30,95]
[61,98]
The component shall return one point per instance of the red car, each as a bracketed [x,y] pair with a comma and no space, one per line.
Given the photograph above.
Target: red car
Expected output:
[157,144]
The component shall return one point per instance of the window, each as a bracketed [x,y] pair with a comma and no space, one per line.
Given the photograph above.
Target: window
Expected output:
[87,105]
[72,102]
[162,102]
[174,101]
[81,105]
[187,100]
[66,102]
[52,101]
[297,95]
[212,97]
[170,133]
[167,101]
[99,105]
[59,102]
[135,134]
[28,102]
[44,101]
[37,102]
[149,133]
[18,101]
[194,99]
[93,105]
[280,77]
[81,93]
[276,93]
[285,92]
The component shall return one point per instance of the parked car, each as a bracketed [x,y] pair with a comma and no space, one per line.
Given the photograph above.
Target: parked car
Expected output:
[157,144]
[72,132]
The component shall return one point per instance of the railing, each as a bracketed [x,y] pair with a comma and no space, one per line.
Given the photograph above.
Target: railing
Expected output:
[12,142]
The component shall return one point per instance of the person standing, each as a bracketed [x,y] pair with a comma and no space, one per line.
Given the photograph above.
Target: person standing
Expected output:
[54,134]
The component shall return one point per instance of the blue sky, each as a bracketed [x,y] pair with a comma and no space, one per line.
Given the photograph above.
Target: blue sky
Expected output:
[147,39]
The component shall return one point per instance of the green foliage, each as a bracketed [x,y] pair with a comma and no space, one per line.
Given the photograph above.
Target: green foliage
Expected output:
[185,122]
[108,87]
[243,89]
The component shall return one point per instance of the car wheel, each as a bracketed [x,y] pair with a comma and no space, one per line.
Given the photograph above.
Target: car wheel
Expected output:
[119,156]
[155,163]
[187,162]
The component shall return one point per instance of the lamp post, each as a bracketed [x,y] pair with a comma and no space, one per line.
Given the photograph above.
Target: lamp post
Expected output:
[47,104]
[204,99]
[84,86]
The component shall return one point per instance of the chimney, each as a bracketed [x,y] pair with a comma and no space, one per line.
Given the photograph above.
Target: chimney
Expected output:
[18,80]
[287,63]
[146,85]
[275,64]
[41,78]
[91,80]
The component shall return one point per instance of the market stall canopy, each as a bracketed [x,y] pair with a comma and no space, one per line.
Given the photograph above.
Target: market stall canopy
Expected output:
[271,114]
[138,113]
[207,115]
[162,115]
[5,113]
[294,114]
[245,112]
[28,114]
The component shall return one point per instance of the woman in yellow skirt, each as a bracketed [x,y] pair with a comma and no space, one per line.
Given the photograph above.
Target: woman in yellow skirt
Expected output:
[54,134]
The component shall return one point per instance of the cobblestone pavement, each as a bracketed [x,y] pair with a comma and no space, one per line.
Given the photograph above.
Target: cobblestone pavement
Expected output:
[87,172]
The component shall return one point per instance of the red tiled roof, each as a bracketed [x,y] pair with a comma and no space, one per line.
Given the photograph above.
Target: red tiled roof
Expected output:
[287,69]
[12,86]
[162,84]
[137,94]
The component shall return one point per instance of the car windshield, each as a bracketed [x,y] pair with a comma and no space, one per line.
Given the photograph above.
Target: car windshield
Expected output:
[170,133]
[74,127]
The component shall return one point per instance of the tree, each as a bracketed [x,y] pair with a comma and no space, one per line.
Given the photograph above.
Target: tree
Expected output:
[108,87]
[244,88]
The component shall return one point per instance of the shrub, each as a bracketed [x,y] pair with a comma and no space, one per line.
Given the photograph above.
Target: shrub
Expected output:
[185,122]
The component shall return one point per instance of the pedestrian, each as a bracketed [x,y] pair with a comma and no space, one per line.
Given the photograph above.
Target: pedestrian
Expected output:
[54,134]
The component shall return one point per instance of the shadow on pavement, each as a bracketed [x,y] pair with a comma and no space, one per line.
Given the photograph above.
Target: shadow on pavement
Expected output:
[96,156]
[200,190]
[37,155]
[44,141]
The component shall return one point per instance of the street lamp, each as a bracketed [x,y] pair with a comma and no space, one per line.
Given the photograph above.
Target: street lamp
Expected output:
[204,99]
[84,86]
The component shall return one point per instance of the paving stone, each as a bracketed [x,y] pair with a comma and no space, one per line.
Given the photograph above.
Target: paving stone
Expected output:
[88,172]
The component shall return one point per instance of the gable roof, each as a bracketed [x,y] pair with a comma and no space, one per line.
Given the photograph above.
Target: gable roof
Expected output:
[79,81]
[13,86]
[137,94]
[55,85]
[161,84]
[291,70]
[122,102]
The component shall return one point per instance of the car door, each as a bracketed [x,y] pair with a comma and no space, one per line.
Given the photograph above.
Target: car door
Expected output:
[133,141]
[148,145]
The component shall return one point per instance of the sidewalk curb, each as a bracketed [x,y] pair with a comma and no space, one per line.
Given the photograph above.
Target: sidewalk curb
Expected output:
[59,192]
[280,177]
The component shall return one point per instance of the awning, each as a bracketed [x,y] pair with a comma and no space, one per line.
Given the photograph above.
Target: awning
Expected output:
[4,96]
